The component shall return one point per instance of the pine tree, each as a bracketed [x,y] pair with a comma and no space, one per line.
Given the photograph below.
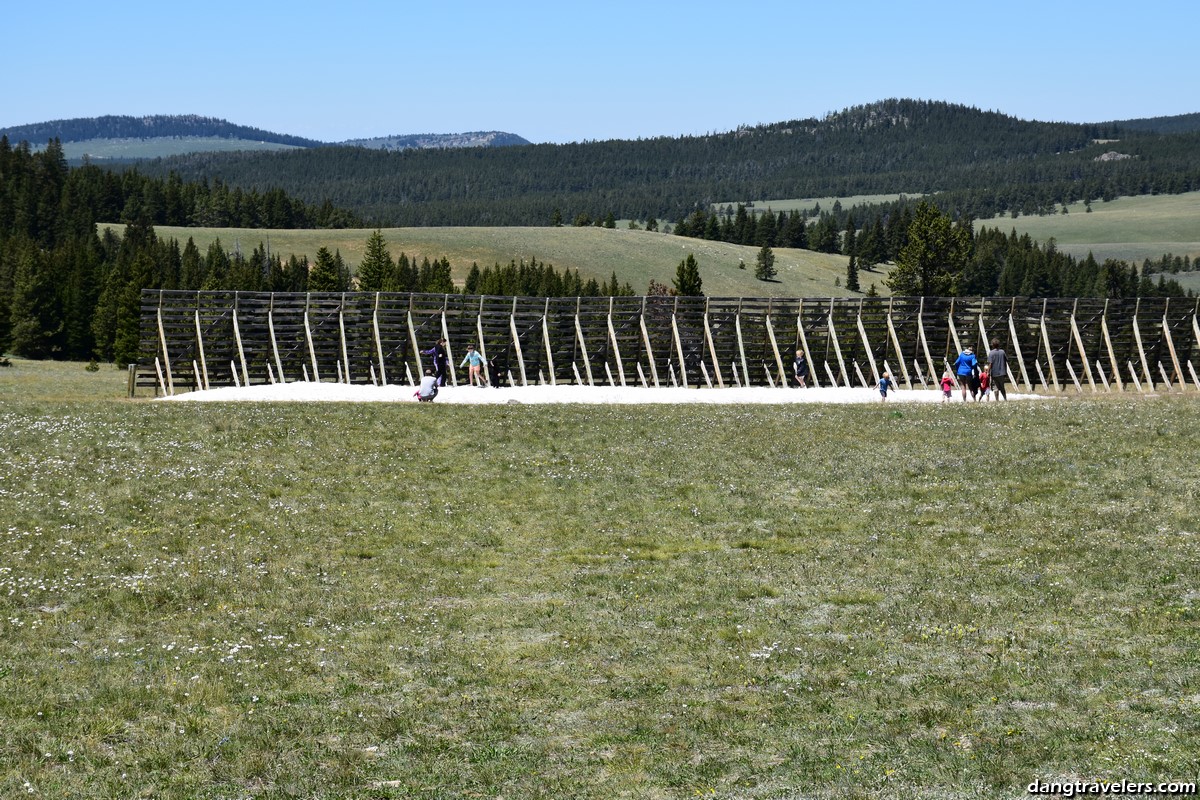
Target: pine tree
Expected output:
[687,278]
[375,269]
[852,275]
[764,264]
[471,286]
[343,272]
[7,267]
[216,267]
[323,277]
[127,342]
[932,261]
[33,316]
[191,266]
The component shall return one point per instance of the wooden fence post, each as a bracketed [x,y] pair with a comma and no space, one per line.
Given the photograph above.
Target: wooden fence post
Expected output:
[1112,355]
[587,364]
[862,332]
[309,338]
[1049,353]
[646,342]
[933,371]
[378,342]
[202,373]
[712,348]
[1012,332]
[512,327]
[169,386]
[896,346]
[342,338]
[737,324]
[783,381]
[812,365]
[1137,336]
[612,335]
[1087,367]
[683,376]
[237,335]
[837,347]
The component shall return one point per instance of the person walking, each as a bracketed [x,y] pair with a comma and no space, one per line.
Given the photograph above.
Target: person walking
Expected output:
[998,370]
[965,367]
[441,360]
[800,369]
[475,360]
[947,386]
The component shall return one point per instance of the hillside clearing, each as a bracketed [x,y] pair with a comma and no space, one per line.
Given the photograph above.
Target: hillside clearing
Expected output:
[636,256]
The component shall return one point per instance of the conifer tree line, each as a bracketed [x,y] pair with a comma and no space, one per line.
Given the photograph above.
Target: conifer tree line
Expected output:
[67,292]
[985,263]
[91,193]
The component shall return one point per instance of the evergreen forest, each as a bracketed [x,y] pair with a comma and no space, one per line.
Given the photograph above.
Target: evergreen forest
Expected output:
[977,164]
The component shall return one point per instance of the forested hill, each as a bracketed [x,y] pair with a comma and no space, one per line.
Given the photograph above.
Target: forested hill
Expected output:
[439,140]
[986,161]
[190,126]
[123,127]
[1182,123]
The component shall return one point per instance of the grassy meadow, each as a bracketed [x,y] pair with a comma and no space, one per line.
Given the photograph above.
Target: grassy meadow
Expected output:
[636,256]
[161,147]
[386,601]
[811,203]
[1127,228]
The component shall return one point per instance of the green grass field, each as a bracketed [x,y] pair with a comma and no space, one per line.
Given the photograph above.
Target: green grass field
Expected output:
[1127,228]
[390,601]
[636,256]
[162,147]
[810,203]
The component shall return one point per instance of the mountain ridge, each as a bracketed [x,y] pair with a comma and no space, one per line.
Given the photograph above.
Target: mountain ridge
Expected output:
[82,129]
[162,126]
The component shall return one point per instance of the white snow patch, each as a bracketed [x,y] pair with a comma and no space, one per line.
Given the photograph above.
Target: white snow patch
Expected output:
[307,392]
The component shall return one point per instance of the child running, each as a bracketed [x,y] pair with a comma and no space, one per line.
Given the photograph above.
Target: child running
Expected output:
[885,383]
[476,361]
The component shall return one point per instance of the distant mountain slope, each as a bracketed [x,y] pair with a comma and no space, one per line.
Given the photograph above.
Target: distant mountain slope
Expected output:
[439,140]
[123,127]
[1181,123]
[124,138]
[994,162]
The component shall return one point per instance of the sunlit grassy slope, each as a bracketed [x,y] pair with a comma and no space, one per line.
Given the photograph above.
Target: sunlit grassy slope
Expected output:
[161,147]
[635,256]
[1128,228]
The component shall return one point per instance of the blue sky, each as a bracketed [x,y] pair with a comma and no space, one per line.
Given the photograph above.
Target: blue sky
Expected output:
[562,72]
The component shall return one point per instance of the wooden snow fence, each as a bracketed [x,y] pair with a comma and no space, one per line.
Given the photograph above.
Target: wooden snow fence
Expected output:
[192,340]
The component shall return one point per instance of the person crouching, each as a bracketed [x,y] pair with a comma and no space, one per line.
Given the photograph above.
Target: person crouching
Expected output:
[428,388]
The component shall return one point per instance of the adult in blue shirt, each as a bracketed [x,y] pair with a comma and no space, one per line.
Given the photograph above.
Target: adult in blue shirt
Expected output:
[966,367]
